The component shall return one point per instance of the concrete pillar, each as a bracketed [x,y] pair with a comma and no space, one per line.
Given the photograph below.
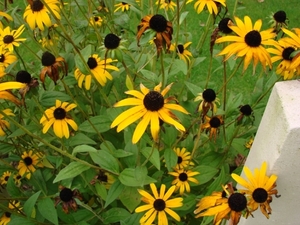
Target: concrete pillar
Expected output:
[278,143]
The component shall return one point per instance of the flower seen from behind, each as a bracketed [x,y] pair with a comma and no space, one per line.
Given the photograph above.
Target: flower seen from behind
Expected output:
[166,4]
[10,39]
[151,107]
[248,43]
[4,125]
[57,116]
[29,162]
[38,15]
[182,179]
[259,188]
[211,5]
[99,71]
[158,205]
[182,51]
[184,159]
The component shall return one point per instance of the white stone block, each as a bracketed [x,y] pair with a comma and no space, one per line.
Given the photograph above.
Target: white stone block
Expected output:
[278,143]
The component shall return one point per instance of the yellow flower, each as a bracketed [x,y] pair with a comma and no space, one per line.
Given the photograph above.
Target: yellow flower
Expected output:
[9,39]
[105,178]
[99,71]
[5,15]
[123,6]
[28,163]
[3,123]
[58,117]
[212,124]
[6,94]
[249,143]
[249,42]
[294,40]
[182,51]
[212,5]
[4,178]
[12,205]
[259,188]
[182,178]
[95,21]
[166,4]
[151,107]
[183,158]
[6,59]
[208,102]
[158,205]
[37,14]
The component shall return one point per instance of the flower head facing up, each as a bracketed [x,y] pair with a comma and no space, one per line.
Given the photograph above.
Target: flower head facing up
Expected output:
[122,6]
[104,178]
[166,4]
[38,15]
[4,178]
[161,27]
[6,59]
[208,102]
[151,107]
[259,188]
[4,125]
[184,159]
[58,117]
[99,71]
[6,216]
[182,51]
[212,125]
[211,5]
[10,39]
[29,161]
[95,21]
[182,179]
[248,43]
[67,197]
[159,205]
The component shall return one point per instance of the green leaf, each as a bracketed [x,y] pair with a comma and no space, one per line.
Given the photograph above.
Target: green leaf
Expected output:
[80,139]
[217,184]
[188,202]
[183,16]
[101,190]
[115,215]
[193,88]
[29,204]
[12,189]
[130,198]
[178,65]
[131,177]
[101,123]
[70,171]
[114,191]
[80,64]
[206,173]
[170,158]
[17,220]
[120,153]
[153,155]
[83,148]
[105,160]
[129,83]
[47,209]
[48,98]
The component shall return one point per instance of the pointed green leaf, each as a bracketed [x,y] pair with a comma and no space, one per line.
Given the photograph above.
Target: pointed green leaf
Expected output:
[47,209]
[70,171]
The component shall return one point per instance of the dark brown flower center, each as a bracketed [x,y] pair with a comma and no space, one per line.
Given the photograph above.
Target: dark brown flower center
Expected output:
[260,195]
[253,38]
[179,160]
[23,77]
[92,63]
[153,101]
[18,177]
[124,3]
[237,202]
[209,95]
[223,26]
[158,23]
[280,16]
[286,53]
[215,122]
[48,59]
[8,39]
[37,6]
[111,41]
[159,204]
[102,177]
[2,58]
[183,177]
[7,214]
[6,178]
[66,195]
[180,49]
[28,161]
[60,113]
[246,110]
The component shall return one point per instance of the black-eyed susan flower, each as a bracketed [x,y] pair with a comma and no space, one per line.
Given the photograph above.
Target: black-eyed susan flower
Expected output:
[158,205]
[6,16]
[182,179]
[245,110]
[57,116]
[212,125]
[48,41]
[6,59]
[161,27]
[6,216]
[5,92]
[104,178]
[95,21]
[122,6]
[249,143]
[5,176]
[166,4]
[249,42]
[17,179]
[52,66]
[9,39]
[279,20]
[67,198]
[182,51]
[232,204]
[102,7]
[29,162]
[211,5]
[259,188]
[223,25]
[4,125]
[24,77]
[283,52]
[99,71]
[111,41]
[184,158]
[208,102]
[38,15]
[151,106]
